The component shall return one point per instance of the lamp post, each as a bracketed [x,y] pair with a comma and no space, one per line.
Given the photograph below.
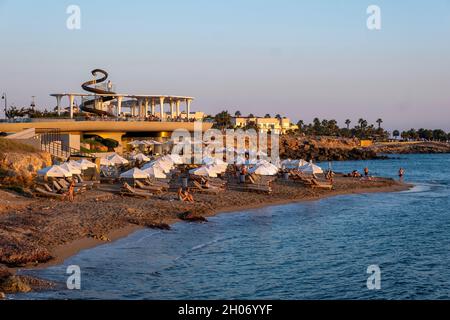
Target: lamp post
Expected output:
[6,103]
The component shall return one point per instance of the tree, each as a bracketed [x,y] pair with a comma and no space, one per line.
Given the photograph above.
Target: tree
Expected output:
[405,135]
[347,123]
[251,115]
[222,120]
[278,116]
[439,135]
[237,114]
[111,144]
[396,134]
[362,123]
[267,115]
[379,121]
[14,112]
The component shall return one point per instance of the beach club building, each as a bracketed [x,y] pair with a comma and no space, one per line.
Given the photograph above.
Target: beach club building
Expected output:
[265,125]
[103,112]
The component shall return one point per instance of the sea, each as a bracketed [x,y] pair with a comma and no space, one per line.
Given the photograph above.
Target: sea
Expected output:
[358,246]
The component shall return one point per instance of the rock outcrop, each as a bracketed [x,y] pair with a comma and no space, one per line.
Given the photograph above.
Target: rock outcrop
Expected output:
[17,167]
[411,147]
[324,149]
[11,283]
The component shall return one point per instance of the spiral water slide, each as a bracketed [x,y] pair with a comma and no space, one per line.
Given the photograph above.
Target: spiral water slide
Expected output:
[89,106]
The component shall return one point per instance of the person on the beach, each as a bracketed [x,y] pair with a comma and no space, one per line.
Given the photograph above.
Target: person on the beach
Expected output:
[188,195]
[181,194]
[71,192]
[401,173]
[366,172]
[185,196]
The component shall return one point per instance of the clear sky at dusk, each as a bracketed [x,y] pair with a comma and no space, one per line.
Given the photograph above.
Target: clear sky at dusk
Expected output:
[303,59]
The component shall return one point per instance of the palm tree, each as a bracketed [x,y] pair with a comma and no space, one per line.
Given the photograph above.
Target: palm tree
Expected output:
[362,123]
[251,115]
[237,114]
[267,115]
[379,121]
[347,122]
[278,116]
[222,120]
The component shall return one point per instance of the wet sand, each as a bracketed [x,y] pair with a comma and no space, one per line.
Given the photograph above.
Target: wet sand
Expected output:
[36,233]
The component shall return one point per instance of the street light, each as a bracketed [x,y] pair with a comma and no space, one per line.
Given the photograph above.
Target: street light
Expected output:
[6,103]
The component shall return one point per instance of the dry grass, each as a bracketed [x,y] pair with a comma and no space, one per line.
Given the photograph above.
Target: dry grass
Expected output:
[13,146]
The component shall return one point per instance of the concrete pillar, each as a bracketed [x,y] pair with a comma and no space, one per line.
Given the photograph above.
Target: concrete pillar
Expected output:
[171,109]
[119,105]
[71,100]
[161,108]
[153,107]
[188,108]
[178,102]
[133,108]
[139,108]
[58,104]
[146,107]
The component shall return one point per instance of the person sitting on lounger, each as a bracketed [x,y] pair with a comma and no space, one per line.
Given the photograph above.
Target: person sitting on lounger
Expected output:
[185,196]
[180,194]
[188,195]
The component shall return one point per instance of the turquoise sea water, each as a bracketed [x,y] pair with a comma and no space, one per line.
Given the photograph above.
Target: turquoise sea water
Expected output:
[312,250]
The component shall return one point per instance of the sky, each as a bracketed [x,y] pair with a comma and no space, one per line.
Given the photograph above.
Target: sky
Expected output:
[301,59]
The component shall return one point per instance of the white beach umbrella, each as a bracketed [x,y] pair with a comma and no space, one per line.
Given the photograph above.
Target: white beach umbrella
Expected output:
[293,164]
[135,143]
[209,160]
[165,165]
[155,172]
[75,164]
[54,172]
[218,168]
[140,157]
[106,162]
[311,168]
[176,159]
[134,173]
[204,171]
[72,169]
[264,169]
[117,160]
[86,164]
[153,142]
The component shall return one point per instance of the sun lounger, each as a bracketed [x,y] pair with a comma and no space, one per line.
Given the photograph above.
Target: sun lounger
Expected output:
[197,187]
[155,189]
[45,186]
[129,191]
[44,193]
[319,185]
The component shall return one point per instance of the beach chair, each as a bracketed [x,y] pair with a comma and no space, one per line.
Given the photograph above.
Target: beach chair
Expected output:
[153,189]
[129,191]
[320,185]
[47,194]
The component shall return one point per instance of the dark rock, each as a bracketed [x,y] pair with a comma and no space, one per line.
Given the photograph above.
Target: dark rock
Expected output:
[14,284]
[159,226]
[192,216]
[4,273]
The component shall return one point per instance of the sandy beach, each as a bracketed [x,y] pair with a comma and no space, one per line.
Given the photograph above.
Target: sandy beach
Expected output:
[40,232]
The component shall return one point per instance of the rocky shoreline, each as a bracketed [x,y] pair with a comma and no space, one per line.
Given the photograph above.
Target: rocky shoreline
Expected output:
[341,149]
[36,233]
[325,149]
[429,147]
